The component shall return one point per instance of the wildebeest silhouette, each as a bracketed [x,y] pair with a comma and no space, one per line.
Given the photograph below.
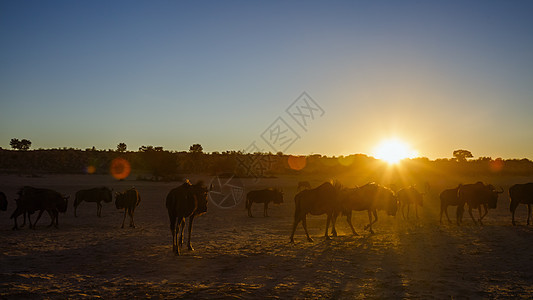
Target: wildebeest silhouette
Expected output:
[97,195]
[370,197]
[263,196]
[186,201]
[39,199]
[3,201]
[478,195]
[320,200]
[406,197]
[128,200]
[521,193]
[449,197]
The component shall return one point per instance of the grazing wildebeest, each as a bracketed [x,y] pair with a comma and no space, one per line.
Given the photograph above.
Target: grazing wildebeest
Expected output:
[478,195]
[370,197]
[406,197]
[93,195]
[37,199]
[3,201]
[186,201]
[128,200]
[303,185]
[320,200]
[449,197]
[263,196]
[521,193]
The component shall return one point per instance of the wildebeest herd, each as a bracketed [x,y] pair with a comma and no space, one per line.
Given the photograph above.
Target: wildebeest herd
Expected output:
[190,200]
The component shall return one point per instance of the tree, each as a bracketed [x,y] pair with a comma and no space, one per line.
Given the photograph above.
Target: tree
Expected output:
[23,144]
[121,147]
[196,149]
[462,155]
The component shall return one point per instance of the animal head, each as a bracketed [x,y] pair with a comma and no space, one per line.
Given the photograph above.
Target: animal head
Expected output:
[493,196]
[120,198]
[63,204]
[107,194]
[278,198]
[390,199]
[200,192]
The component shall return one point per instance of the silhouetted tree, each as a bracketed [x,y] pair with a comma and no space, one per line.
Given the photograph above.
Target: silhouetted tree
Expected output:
[462,155]
[196,148]
[121,147]
[23,144]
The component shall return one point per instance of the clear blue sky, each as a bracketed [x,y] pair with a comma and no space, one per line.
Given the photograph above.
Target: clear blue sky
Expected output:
[440,75]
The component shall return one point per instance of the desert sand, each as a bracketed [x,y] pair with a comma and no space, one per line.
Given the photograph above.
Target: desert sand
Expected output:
[240,257]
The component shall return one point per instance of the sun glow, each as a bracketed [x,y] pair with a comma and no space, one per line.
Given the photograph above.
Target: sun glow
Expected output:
[393,151]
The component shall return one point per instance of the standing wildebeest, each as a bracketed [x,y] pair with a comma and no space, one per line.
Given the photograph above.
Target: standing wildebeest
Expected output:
[93,195]
[185,201]
[317,201]
[521,193]
[303,185]
[408,196]
[3,201]
[263,196]
[370,197]
[449,197]
[476,196]
[36,199]
[128,200]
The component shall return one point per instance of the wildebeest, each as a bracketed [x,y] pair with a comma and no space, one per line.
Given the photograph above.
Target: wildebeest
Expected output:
[128,200]
[38,199]
[370,197]
[449,197]
[186,201]
[93,195]
[303,185]
[3,201]
[406,197]
[521,193]
[320,200]
[263,196]
[478,195]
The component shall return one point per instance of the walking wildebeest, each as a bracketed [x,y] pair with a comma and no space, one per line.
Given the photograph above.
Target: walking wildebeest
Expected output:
[303,185]
[37,199]
[370,197]
[93,195]
[128,200]
[408,196]
[186,201]
[317,201]
[478,195]
[521,193]
[449,197]
[263,196]
[3,201]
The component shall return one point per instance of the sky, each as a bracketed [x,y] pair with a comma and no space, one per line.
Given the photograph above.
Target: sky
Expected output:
[301,77]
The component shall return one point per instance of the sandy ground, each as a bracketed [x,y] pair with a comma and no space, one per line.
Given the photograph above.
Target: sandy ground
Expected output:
[240,257]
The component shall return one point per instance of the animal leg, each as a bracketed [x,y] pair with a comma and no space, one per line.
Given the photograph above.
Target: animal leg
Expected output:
[181,228]
[294,225]
[349,220]
[52,217]
[38,217]
[328,219]
[471,215]
[132,222]
[265,213]
[189,246]
[250,209]
[124,219]
[98,209]
[304,224]
[173,232]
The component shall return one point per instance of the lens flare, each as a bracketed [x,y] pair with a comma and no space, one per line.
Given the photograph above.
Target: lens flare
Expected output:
[120,168]
[90,169]
[297,162]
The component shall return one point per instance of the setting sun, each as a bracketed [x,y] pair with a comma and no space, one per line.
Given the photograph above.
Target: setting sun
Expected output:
[394,150]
